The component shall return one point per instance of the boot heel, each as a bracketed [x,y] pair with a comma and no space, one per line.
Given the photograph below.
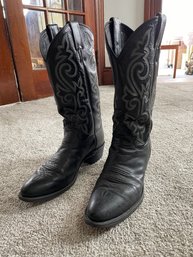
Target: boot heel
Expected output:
[94,156]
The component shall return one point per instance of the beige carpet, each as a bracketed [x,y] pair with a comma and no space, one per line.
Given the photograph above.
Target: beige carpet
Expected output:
[162,226]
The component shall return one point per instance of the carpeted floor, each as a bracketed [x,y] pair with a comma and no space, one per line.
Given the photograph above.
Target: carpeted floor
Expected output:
[162,226]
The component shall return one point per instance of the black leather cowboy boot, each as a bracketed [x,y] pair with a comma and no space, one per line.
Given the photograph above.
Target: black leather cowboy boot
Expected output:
[134,58]
[69,56]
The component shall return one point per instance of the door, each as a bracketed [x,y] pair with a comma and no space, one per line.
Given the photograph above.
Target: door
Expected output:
[26,19]
[8,85]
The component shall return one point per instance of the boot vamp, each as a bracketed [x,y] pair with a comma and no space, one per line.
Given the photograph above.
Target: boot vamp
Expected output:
[61,169]
[120,185]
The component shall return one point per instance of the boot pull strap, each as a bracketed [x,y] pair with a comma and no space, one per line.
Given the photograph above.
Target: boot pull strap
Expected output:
[52,30]
[75,27]
[116,35]
[160,29]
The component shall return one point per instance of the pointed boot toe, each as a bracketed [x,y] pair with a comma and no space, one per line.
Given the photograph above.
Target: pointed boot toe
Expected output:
[100,205]
[43,186]
[107,208]
[30,190]
[34,189]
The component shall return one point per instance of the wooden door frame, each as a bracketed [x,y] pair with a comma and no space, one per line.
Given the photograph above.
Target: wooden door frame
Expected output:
[151,8]
[104,73]
[8,83]
[19,42]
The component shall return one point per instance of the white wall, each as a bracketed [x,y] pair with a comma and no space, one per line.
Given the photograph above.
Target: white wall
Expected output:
[130,12]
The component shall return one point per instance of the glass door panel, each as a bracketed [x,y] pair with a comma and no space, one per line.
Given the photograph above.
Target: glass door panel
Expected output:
[78,18]
[57,18]
[25,27]
[58,4]
[75,5]
[35,23]
[33,2]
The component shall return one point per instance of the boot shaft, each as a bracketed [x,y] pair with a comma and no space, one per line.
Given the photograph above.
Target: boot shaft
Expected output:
[69,57]
[134,58]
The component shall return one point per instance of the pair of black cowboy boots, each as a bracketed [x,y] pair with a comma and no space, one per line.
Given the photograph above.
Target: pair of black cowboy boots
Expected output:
[70,60]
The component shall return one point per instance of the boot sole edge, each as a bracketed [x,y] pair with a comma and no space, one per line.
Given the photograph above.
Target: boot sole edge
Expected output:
[45,197]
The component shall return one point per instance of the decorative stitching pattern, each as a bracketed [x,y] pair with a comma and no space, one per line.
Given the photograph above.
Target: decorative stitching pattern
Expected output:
[138,88]
[69,87]
[91,65]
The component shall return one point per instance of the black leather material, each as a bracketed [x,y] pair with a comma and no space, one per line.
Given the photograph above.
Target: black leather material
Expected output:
[69,56]
[134,58]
